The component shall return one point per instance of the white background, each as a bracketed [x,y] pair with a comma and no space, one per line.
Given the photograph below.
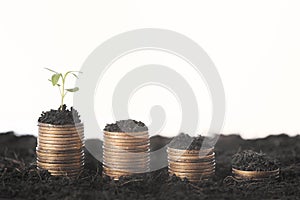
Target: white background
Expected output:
[254,44]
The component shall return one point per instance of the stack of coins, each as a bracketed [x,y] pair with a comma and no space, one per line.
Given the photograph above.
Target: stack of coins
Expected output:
[255,175]
[125,154]
[195,165]
[60,149]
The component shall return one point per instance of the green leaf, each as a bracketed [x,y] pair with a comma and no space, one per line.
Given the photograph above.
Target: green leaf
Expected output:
[73,89]
[51,70]
[75,75]
[55,79]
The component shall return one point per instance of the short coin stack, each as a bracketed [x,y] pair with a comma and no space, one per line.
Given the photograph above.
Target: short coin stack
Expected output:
[125,153]
[195,165]
[60,149]
[251,165]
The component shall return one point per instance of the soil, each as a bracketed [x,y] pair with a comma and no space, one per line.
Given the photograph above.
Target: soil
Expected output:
[62,116]
[19,178]
[184,141]
[127,126]
[249,160]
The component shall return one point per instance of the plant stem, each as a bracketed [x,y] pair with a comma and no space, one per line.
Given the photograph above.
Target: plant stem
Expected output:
[62,92]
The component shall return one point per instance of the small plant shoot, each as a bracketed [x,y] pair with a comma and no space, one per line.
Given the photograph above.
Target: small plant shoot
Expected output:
[59,80]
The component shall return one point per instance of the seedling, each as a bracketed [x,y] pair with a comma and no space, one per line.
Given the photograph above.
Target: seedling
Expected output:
[59,80]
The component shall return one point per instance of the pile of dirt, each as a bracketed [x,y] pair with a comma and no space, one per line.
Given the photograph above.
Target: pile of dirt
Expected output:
[127,126]
[62,116]
[185,141]
[19,178]
[249,160]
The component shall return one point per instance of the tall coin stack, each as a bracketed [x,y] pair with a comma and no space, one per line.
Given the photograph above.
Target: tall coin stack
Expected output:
[60,149]
[195,164]
[126,153]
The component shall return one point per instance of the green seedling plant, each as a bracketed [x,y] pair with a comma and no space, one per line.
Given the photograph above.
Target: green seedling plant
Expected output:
[59,80]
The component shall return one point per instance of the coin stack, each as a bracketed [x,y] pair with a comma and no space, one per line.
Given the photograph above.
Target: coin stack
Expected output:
[195,165]
[60,149]
[125,154]
[255,175]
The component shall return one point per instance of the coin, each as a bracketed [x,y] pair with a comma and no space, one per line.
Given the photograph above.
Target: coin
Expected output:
[122,134]
[255,175]
[124,171]
[126,140]
[61,137]
[119,144]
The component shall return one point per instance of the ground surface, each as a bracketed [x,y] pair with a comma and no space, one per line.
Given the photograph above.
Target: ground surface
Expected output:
[20,180]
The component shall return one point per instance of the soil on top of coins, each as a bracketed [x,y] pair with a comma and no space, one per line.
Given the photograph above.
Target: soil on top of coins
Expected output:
[185,141]
[250,160]
[126,126]
[62,116]
[19,178]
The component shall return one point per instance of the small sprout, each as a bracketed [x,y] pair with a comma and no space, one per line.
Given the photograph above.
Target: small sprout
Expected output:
[56,77]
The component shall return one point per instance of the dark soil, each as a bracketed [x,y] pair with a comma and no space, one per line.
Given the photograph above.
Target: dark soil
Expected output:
[127,126]
[62,116]
[20,180]
[249,160]
[184,141]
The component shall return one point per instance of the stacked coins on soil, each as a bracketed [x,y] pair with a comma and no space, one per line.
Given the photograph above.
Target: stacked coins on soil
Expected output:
[195,165]
[60,149]
[125,153]
[251,165]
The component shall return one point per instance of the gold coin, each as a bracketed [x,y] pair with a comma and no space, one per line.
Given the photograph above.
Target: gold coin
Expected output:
[129,169]
[140,160]
[143,133]
[193,176]
[210,168]
[181,152]
[66,145]
[181,160]
[124,151]
[61,130]
[59,148]
[196,172]
[255,174]
[60,156]
[192,157]
[129,148]
[124,156]
[60,169]
[57,169]
[72,137]
[190,168]
[124,159]
[126,140]
[60,141]
[60,165]
[123,164]
[50,126]
[125,171]
[47,160]
[60,153]
[190,164]
[126,143]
